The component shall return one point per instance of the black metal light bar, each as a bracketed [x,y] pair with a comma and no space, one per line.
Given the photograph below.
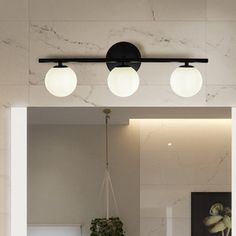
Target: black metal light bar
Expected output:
[122,54]
[120,60]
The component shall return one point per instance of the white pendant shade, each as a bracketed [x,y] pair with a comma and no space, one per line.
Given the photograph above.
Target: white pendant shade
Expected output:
[123,81]
[186,81]
[61,81]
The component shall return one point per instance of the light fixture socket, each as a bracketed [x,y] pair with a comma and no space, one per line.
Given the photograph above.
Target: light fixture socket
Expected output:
[186,64]
[60,65]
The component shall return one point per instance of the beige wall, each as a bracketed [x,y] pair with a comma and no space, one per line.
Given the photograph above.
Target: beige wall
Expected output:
[66,169]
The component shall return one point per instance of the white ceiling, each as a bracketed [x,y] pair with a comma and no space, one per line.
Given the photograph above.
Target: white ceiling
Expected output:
[120,115]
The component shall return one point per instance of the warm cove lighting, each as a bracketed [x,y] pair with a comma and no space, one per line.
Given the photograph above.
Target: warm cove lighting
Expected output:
[186,81]
[123,81]
[61,81]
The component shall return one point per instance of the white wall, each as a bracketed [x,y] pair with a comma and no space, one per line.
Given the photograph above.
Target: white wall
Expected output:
[66,169]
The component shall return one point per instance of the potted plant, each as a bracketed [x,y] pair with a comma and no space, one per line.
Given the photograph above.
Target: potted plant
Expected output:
[107,227]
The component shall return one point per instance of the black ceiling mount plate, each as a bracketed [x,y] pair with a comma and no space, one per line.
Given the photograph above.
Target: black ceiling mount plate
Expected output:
[123,50]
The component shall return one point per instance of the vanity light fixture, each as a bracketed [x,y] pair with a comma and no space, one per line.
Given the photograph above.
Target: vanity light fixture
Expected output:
[123,60]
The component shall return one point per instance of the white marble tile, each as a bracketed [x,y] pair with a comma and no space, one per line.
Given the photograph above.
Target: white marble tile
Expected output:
[163,227]
[221,95]
[178,131]
[168,174]
[153,95]
[178,10]
[208,154]
[10,96]
[39,96]
[4,133]
[156,199]
[14,53]
[14,10]
[152,226]
[221,10]
[13,95]
[4,195]
[148,210]
[173,39]
[172,172]
[4,225]
[221,51]
[159,74]
[4,162]
[101,96]
[181,226]
[90,10]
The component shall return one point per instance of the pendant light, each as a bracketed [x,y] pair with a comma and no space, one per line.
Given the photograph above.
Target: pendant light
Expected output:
[107,186]
[61,81]
[109,225]
[186,81]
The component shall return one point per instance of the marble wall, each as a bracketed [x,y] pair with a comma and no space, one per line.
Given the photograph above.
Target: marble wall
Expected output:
[179,157]
[30,29]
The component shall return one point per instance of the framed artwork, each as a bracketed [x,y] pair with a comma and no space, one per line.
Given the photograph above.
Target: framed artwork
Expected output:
[211,214]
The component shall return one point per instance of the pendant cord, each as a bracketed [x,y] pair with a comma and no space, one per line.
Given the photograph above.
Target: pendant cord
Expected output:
[107,117]
[107,112]
[107,183]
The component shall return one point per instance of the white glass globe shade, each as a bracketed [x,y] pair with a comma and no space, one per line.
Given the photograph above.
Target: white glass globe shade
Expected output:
[123,81]
[186,81]
[61,81]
